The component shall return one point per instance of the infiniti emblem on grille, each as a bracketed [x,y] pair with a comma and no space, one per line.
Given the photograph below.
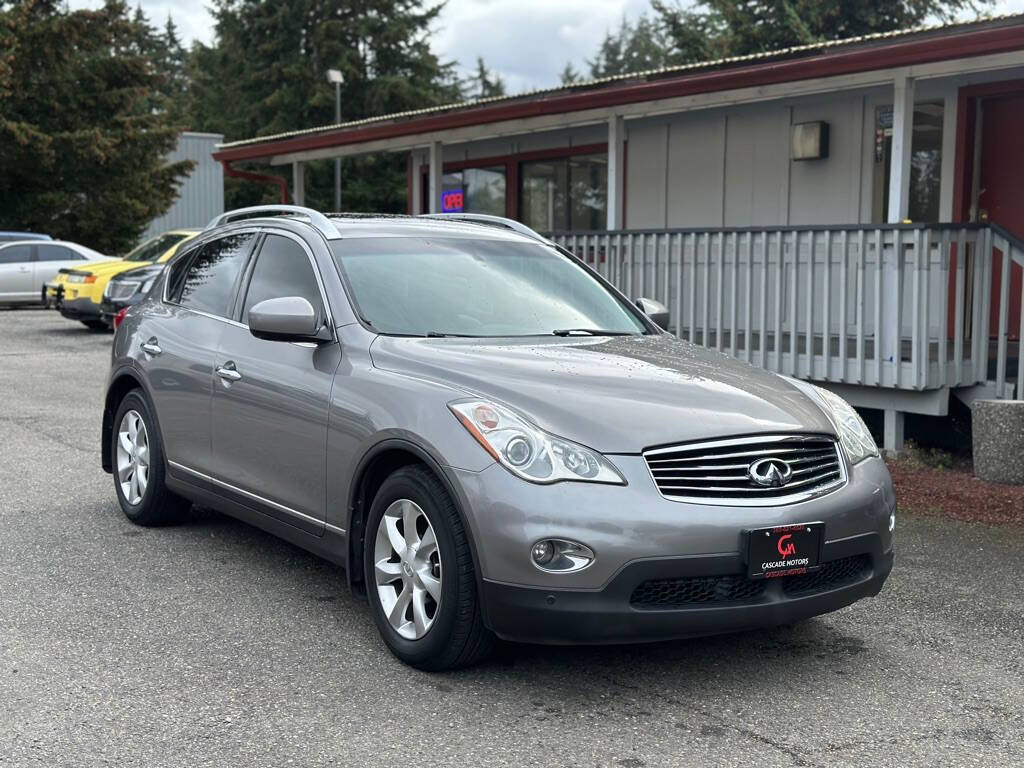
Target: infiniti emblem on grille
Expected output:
[770,472]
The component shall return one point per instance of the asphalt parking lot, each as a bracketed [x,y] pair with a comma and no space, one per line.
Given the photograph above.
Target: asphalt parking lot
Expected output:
[215,644]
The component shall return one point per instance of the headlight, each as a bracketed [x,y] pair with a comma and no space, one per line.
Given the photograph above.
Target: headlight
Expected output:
[853,432]
[528,451]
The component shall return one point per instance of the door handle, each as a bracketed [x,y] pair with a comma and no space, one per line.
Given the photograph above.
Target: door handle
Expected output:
[228,372]
[151,347]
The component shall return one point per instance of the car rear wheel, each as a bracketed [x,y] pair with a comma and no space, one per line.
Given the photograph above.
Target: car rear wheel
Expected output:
[419,575]
[94,325]
[138,463]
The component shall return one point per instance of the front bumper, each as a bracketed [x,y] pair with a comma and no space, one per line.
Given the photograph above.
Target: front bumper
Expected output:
[80,309]
[611,615]
[639,536]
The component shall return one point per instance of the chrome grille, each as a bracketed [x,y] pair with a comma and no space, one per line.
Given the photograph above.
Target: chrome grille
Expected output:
[719,471]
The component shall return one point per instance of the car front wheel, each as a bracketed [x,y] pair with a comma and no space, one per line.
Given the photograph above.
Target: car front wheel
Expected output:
[419,574]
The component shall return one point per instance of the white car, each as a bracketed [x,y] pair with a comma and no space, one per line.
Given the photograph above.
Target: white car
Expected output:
[27,265]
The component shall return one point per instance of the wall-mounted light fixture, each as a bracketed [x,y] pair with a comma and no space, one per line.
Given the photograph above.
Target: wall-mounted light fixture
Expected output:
[810,140]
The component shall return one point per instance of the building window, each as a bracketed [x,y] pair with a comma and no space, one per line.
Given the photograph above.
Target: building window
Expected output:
[925,162]
[474,190]
[566,193]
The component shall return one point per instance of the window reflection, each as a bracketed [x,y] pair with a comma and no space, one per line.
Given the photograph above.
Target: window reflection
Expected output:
[565,193]
[925,162]
[209,284]
[474,190]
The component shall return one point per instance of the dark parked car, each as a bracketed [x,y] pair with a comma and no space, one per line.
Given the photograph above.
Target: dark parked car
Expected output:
[127,289]
[489,436]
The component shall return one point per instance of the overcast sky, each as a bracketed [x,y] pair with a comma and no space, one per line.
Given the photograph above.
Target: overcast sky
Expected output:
[527,41]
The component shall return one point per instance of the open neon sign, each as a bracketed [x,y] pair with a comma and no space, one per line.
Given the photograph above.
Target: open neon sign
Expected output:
[452,201]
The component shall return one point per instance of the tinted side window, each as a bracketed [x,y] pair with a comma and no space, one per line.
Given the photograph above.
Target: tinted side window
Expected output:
[282,269]
[12,254]
[56,253]
[210,281]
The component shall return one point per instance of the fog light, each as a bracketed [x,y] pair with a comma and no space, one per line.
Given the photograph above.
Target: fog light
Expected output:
[561,556]
[892,522]
[543,551]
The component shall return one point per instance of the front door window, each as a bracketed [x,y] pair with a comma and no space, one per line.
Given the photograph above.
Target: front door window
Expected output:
[925,162]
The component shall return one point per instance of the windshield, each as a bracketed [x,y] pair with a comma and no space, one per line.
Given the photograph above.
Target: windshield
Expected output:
[151,250]
[454,286]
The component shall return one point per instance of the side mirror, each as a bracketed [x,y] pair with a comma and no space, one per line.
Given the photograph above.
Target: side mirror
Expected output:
[655,310]
[289,318]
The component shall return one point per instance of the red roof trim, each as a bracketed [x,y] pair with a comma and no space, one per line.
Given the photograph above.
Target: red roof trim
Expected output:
[863,59]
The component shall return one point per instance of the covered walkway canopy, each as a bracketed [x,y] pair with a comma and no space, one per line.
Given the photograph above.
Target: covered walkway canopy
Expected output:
[898,60]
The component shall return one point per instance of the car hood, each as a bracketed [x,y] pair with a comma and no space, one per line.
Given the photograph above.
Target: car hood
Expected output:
[108,267]
[617,394]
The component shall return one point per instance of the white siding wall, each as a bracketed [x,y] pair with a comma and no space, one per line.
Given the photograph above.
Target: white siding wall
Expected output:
[732,167]
[201,195]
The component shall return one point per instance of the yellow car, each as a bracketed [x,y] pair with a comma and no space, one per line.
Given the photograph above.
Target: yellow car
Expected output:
[78,293]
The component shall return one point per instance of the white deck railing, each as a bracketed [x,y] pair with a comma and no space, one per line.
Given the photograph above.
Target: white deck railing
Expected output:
[906,306]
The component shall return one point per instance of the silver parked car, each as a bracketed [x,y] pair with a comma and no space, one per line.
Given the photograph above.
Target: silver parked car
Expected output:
[27,265]
[490,438]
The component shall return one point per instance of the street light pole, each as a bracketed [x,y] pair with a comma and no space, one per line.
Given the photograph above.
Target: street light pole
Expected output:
[334,76]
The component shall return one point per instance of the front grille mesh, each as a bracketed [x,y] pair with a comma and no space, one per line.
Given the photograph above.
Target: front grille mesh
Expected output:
[671,593]
[668,594]
[831,575]
[717,472]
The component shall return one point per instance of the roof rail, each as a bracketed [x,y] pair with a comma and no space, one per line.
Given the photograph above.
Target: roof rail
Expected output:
[491,221]
[316,218]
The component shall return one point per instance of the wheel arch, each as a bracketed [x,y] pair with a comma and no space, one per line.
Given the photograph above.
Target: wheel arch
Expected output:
[121,383]
[377,464]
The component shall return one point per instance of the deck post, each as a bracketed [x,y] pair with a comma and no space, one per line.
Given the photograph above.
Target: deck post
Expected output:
[892,440]
[299,182]
[891,330]
[902,132]
[416,185]
[435,176]
[616,171]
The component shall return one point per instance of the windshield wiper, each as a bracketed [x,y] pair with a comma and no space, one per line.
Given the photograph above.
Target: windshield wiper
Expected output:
[441,335]
[589,332]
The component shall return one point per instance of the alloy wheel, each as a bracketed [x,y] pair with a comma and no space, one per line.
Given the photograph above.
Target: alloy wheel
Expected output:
[407,569]
[132,457]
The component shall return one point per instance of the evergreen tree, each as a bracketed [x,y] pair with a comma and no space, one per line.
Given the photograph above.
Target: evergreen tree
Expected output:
[569,75]
[712,29]
[266,73]
[84,124]
[483,83]
[633,48]
[741,27]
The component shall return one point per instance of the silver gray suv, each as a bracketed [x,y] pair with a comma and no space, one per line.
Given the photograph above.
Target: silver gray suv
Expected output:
[488,436]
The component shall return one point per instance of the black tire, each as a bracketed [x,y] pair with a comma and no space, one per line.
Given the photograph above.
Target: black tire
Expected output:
[458,637]
[158,506]
[94,325]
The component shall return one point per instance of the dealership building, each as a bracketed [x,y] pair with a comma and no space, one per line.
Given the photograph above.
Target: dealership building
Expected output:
[848,212]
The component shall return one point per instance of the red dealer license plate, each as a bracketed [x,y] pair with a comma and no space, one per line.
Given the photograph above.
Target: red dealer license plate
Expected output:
[785,550]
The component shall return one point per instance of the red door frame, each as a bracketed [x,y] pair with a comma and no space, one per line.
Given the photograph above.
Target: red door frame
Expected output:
[963,168]
[963,165]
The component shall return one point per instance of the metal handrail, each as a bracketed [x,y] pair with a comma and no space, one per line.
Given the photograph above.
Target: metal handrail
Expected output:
[317,219]
[904,306]
[913,226]
[487,219]
[1012,239]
